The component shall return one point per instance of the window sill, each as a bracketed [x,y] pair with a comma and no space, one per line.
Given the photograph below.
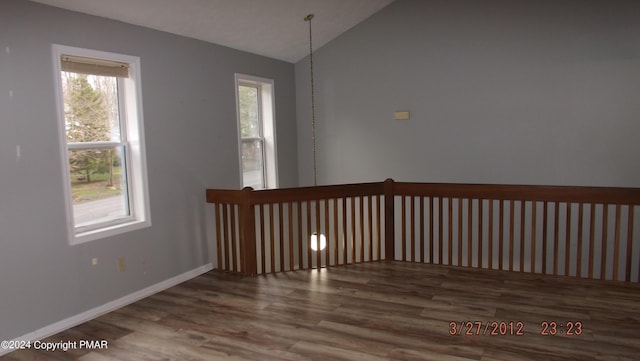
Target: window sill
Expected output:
[108,231]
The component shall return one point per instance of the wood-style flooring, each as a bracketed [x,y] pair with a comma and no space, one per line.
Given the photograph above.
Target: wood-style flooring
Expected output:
[376,311]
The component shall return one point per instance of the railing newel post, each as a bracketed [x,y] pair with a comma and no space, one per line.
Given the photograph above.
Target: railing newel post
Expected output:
[248,253]
[389,220]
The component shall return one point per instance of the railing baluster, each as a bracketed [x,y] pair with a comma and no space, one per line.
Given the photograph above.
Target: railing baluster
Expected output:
[219,240]
[234,244]
[469,233]
[450,231]
[490,236]
[480,232]
[523,206]
[307,238]
[432,246]
[336,230]
[501,236]
[459,231]
[403,224]
[281,235]
[361,218]
[353,229]
[534,212]
[567,242]
[413,228]
[545,220]
[318,231]
[556,235]
[272,240]
[299,240]
[378,228]
[421,245]
[592,232]
[262,239]
[603,258]
[370,210]
[327,231]
[511,231]
[630,243]
[344,232]
[291,244]
[227,237]
[440,236]
[580,240]
[616,243]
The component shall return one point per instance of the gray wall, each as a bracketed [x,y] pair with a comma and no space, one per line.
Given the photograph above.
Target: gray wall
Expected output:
[530,92]
[190,130]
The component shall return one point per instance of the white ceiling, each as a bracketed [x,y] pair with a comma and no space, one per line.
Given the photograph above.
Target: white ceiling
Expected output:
[273,28]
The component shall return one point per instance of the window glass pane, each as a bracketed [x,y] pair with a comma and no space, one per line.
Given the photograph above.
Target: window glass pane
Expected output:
[249,117]
[90,108]
[98,185]
[252,163]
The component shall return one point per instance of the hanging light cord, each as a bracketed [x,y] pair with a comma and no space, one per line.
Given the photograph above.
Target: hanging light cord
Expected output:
[313,103]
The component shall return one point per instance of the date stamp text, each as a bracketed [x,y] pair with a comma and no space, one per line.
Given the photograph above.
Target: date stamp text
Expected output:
[514,328]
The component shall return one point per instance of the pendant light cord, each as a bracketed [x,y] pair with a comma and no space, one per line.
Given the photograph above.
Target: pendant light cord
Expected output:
[313,103]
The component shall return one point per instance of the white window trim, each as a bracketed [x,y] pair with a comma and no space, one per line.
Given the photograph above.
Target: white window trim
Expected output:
[136,165]
[268,112]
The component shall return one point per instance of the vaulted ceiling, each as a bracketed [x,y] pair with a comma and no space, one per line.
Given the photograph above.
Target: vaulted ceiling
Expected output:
[273,28]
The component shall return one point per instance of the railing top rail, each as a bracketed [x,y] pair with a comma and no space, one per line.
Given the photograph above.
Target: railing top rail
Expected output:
[577,194]
[225,196]
[296,194]
[316,193]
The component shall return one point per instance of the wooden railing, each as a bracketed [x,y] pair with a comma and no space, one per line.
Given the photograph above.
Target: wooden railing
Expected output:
[583,232]
[269,231]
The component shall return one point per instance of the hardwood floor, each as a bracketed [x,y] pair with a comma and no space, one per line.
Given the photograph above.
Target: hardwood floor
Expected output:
[376,311]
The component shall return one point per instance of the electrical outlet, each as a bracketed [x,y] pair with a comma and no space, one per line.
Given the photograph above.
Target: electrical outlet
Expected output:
[121,264]
[94,261]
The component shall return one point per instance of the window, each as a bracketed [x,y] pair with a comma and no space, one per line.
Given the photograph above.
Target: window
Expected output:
[100,116]
[257,132]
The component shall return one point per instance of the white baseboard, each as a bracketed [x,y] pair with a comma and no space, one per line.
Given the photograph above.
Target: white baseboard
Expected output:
[88,315]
